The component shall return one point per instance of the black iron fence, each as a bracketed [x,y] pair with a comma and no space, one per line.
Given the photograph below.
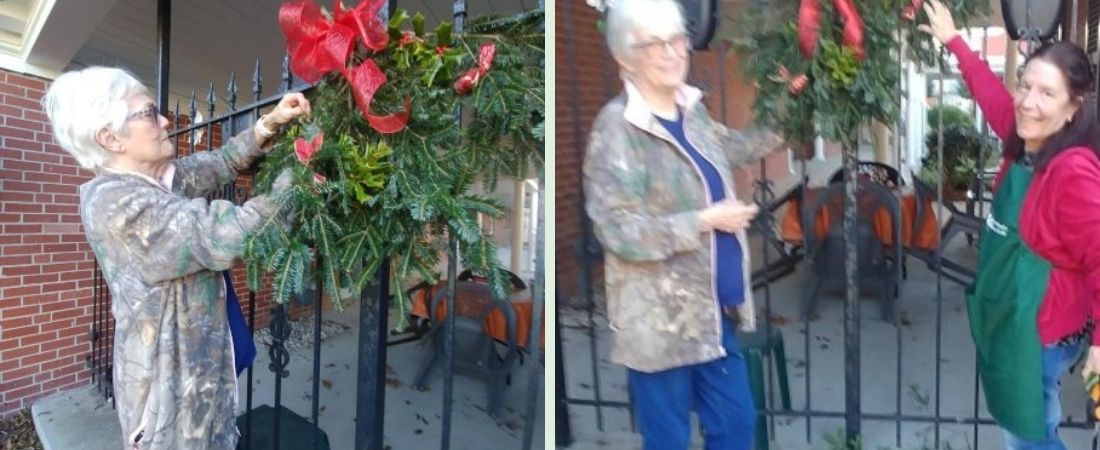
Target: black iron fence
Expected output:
[374,331]
[866,392]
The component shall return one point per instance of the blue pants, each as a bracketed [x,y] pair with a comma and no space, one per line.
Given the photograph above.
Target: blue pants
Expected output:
[1056,363]
[718,391]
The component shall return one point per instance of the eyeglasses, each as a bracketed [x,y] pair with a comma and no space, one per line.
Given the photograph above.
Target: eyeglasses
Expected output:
[678,44]
[149,113]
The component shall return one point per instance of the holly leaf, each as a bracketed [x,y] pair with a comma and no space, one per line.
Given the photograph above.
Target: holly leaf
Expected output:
[418,25]
[443,34]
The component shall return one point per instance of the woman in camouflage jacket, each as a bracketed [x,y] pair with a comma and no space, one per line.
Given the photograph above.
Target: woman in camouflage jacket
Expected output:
[658,187]
[160,245]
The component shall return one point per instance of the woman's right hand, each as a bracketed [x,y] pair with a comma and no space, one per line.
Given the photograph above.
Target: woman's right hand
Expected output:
[940,23]
[730,216]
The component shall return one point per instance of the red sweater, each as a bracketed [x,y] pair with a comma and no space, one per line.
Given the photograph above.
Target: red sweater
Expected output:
[1060,217]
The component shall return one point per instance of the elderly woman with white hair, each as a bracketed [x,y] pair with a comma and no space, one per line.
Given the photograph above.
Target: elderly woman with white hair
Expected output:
[659,189]
[160,245]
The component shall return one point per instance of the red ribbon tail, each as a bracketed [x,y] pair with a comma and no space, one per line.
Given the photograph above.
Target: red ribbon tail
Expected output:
[852,35]
[365,81]
[809,17]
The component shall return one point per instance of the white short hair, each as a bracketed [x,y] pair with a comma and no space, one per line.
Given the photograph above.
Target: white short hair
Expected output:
[82,102]
[627,16]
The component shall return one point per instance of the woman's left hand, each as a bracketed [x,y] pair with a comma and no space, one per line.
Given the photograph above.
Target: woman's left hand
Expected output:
[1092,363]
[290,107]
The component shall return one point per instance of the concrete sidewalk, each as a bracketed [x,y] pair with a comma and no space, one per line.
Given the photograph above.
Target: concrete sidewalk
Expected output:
[81,419]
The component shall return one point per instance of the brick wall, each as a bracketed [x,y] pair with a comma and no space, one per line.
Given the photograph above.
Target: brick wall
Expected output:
[46,266]
[45,263]
[586,78]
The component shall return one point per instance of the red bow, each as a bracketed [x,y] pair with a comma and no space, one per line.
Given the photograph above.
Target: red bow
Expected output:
[318,46]
[809,14]
[468,80]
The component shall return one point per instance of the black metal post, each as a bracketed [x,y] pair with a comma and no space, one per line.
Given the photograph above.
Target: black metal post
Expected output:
[164,37]
[449,341]
[371,385]
[851,304]
[563,429]
[280,332]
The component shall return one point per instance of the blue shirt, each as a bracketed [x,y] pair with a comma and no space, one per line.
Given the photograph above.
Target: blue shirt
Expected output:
[728,275]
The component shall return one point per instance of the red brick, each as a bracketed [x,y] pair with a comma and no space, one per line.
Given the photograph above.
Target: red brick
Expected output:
[11,175]
[6,196]
[21,186]
[58,287]
[70,351]
[21,165]
[45,338]
[59,306]
[23,144]
[40,278]
[16,323]
[43,157]
[62,228]
[22,229]
[20,102]
[41,218]
[20,393]
[21,270]
[59,267]
[32,83]
[22,207]
[22,249]
[41,259]
[12,333]
[11,111]
[19,352]
[36,115]
[67,314]
[38,358]
[55,364]
[58,248]
[70,218]
[54,188]
[40,238]
[13,380]
[12,90]
[24,124]
[22,291]
[60,382]
[40,177]
[70,256]
[10,239]
[57,325]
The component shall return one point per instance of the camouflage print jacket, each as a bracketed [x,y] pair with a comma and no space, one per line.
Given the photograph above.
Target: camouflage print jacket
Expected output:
[643,194]
[161,251]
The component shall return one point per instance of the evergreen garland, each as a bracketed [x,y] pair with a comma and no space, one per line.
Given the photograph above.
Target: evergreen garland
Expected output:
[840,92]
[365,196]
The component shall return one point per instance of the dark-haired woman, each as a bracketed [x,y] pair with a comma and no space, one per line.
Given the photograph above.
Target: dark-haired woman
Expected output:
[1038,287]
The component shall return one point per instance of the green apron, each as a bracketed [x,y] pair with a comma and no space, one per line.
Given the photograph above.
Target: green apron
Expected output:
[1003,306]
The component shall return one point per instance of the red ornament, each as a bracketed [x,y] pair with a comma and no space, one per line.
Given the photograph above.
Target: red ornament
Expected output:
[318,178]
[467,81]
[407,38]
[304,149]
[365,81]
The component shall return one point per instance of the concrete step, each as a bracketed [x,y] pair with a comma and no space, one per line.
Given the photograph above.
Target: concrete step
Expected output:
[79,418]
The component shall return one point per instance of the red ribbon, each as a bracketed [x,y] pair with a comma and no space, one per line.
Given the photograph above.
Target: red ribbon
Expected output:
[318,46]
[809,18]
[910,12]
[468,80]
[795,85]
[365,81]
[304,149]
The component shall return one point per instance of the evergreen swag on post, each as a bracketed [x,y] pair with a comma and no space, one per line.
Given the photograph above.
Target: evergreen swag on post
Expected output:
[833,64]
[382,169]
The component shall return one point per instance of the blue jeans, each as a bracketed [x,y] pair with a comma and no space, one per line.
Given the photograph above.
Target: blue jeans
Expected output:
[717,390]
[1056,363]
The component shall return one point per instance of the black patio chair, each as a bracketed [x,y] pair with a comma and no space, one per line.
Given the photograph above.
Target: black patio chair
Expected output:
[873,171]
[475,352]
[788,255]
[879,263]
[959,222]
